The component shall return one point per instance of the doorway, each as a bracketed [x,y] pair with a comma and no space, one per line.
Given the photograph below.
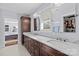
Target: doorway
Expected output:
[11,31]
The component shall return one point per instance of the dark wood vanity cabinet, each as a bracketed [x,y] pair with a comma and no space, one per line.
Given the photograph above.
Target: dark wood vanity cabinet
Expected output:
[32,46]
[36,48]
[26,42]
[48,51]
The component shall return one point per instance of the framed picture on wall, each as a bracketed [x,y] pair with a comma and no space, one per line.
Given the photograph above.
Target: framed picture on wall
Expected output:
[69,23]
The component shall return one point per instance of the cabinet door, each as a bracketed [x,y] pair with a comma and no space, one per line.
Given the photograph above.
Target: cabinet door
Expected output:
[36,43]
[31,48]
[36,51]
[36,48]
[26,42]
[43,53]
[32,51]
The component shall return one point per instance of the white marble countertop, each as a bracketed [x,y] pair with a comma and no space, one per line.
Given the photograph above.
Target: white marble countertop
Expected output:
[64,47]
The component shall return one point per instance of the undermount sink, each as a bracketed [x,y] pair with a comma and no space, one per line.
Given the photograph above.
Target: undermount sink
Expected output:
[50,40]
[35,33]
[56,40]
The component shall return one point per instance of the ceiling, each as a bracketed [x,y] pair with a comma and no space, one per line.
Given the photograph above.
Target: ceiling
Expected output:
[22,8]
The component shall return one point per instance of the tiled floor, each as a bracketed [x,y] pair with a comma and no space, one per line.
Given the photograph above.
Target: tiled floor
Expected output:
[14,50]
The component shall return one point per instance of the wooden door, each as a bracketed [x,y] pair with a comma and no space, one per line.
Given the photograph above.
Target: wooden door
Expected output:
[26,22]
[25,26]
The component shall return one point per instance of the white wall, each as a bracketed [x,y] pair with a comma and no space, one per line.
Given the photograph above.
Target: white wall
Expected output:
[11,25]
[5,14]
[13,15]
[10,18]
[57,16]
[2,38]
[19,29]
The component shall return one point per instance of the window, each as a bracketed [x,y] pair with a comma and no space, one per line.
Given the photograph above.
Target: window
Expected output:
[7,28]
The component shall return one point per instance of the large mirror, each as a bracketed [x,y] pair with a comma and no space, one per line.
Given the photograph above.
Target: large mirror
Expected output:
[45,20]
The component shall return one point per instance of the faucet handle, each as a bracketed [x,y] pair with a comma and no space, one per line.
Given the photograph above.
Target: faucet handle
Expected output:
[64,40]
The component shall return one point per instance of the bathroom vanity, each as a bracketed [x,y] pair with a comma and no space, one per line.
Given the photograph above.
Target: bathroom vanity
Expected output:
[36,47]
